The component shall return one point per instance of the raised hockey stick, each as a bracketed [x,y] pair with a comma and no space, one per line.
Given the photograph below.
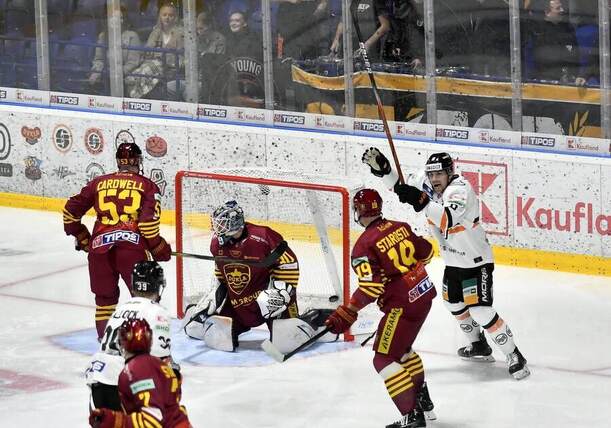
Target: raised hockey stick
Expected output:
[374,87]
[269,260]
[271,350]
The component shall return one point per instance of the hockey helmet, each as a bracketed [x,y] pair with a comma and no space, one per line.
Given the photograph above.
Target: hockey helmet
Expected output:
[147,277]
[366,203]
[227,220]
[440,162]
[135,336]
[128,154]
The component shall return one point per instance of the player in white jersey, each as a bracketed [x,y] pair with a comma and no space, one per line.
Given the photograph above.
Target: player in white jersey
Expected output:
[452,210]
[102,375]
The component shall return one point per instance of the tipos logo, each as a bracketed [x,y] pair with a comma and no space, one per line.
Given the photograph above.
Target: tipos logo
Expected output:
[291,119]
[368,126]
[459,134]
[64,99]
[136,106]
[237,276]
[212,112]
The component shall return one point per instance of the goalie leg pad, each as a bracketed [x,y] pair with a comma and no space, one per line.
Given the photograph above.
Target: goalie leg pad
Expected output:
[215,331]
[316,318]
[289,333]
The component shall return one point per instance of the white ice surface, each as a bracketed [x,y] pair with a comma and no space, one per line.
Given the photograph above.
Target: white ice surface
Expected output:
[561,322]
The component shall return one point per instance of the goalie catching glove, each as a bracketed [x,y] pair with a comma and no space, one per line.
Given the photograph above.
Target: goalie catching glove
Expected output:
[341,319]
[273,301]
[379,164]
[212,303]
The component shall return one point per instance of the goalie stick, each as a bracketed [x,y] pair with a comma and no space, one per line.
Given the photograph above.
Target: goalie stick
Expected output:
[374,87]
[271,350]
[269,260]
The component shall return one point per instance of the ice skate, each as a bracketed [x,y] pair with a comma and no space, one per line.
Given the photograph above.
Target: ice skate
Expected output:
[414,419]
[478,351]
[425,403]
[517,365]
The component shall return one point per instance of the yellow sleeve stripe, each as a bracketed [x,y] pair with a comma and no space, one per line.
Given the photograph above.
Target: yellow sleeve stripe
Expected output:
[370,283]
[151,421]
[293,271]
[412,365]
[150,235]
[398,377]
[68,214]
[149,223]
[286,277]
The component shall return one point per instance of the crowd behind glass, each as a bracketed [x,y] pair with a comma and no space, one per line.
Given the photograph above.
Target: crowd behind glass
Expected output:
[559,44]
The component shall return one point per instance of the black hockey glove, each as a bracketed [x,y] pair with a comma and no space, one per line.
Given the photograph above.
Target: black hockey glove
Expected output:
[411,195]
[378,163]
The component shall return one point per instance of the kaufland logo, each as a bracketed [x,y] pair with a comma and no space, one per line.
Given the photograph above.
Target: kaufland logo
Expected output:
[64,99]
[368,126]
[323,122]
[489,182]
[577,144]
[291,119]
[403,130]
[459,134]
[532,213]
[135,105]
[539,141]
[213,112]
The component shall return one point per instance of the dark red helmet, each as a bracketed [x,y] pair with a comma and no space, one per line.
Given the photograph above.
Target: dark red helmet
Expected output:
[135,336]
[128,154]
[366,203]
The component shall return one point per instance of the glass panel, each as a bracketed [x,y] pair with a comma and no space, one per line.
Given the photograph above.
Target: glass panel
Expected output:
[18,44]
[560,51]
[230,51]
[472,40]
[304,35]
[77,36]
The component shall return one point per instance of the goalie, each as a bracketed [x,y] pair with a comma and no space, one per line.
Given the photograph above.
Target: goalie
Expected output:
[245,295]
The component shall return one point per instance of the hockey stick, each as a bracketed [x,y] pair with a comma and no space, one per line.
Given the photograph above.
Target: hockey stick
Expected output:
[269,260]
[374,87]
[271,350]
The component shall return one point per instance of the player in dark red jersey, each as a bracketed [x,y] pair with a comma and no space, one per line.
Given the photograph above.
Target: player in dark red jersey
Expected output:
[128,209]
[389,260]
[149,389]
[245,295]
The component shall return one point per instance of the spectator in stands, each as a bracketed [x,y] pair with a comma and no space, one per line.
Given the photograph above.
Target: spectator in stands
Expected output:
[208,40]
[374,22]
[241,42]
[552,46]
[303,28]
[131,58]
[406,38]
[160,66]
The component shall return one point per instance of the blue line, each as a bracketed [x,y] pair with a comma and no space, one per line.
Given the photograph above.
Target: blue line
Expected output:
[317,131]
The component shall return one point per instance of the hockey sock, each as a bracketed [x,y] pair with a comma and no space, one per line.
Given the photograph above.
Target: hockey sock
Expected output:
[413,364]
[102,315]
[400,387]
[468,325]
[502,336]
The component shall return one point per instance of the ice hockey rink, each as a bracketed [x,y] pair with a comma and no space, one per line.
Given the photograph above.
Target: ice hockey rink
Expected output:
[561,322]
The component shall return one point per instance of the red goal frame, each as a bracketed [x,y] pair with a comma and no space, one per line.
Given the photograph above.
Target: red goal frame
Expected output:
[345,232]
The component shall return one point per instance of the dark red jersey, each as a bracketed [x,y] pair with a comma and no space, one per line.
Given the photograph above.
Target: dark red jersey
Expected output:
[245,282]
[127,207]
[389,260]
[150,394]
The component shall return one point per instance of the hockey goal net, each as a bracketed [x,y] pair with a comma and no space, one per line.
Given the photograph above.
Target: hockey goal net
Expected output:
[312,213]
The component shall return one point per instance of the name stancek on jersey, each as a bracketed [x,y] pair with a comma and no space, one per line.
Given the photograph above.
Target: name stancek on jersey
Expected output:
[107,363]
[454,220]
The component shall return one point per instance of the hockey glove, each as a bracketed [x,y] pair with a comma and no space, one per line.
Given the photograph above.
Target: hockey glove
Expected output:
[273,301]
[411,195]
[81,240]
[106,418]
[160,249]
[341,320]
[377,162]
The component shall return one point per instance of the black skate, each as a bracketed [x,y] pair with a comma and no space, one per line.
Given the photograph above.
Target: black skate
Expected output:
[414,419]
[478,351]
[517,365]
[425,403]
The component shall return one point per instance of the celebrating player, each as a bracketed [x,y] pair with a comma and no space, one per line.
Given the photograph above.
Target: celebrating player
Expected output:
[389,260]
[245,295]
[452,210]
[148,283]
[128,208]
[149,389]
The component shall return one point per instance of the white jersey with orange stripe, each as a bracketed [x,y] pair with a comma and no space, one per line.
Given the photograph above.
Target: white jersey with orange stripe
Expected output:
[453,218]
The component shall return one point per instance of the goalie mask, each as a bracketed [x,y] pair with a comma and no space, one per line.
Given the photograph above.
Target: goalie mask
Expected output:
[147,277]
[135,337]
[366,203]
[227,220]
[129,154]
